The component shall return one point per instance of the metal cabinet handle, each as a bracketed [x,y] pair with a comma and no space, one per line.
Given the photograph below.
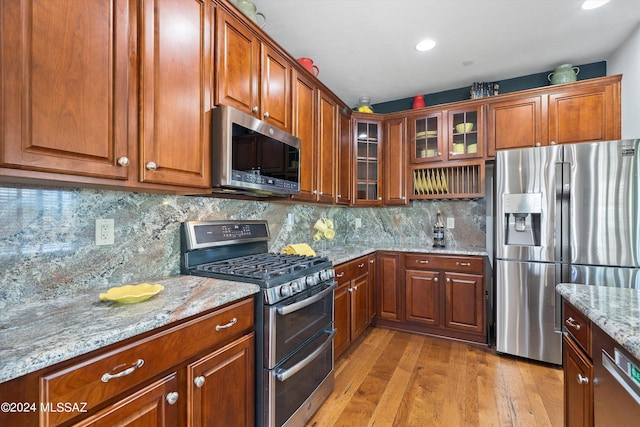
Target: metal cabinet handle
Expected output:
[538,144]
[361,265]
[228,325]
[582,380]
[106,377]
[152,166]
[340,274]
[172,397]
[255,109]
[448,280]
[435,279]
[403,198]
[199,381]
[266,114]
[350,290]
[422,261]
[572,322]
[552,143]
[371,261]
[463,264]
[124,161]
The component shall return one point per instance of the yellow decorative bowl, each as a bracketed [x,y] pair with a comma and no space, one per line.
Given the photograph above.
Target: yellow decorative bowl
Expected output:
[128,294]
[458,148]
[464,127]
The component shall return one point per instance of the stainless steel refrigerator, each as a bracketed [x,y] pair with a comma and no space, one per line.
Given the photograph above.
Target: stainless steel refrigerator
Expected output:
[563,214]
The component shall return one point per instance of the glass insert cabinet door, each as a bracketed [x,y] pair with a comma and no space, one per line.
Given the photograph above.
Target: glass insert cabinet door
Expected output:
[368,135]
[464,141]
[427,141]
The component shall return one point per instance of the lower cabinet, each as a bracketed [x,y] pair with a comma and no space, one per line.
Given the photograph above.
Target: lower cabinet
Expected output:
[435,294]
[352,302]
[197,372]
[578,368]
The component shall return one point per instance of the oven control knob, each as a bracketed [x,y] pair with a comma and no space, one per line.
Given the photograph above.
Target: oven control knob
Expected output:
[296,286]
[285,291]
[311,280]
[325,275]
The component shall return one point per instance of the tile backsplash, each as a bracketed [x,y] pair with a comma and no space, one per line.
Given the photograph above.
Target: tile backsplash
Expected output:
[47,235]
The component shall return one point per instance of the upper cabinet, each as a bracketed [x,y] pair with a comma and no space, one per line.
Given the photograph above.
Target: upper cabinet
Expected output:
[585,111]
[72,85]
[367,161]
[305,111]
[465,138]
[344,174]
[252,75]
[395,165]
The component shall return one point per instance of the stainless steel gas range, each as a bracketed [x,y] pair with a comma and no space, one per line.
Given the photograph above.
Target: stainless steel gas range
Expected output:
[294,313]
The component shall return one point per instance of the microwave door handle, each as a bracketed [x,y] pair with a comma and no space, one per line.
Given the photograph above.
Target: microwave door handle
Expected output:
[282,375]
[287,309]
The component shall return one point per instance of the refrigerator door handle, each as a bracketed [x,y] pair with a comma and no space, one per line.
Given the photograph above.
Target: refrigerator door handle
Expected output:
[561,226]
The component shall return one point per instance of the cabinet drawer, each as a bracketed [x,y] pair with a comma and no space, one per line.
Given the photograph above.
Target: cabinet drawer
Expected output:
[442,262]
[102,377]
[578,326]
[350,270]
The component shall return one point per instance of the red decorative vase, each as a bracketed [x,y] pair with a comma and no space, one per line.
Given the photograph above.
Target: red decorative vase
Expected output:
[418,101]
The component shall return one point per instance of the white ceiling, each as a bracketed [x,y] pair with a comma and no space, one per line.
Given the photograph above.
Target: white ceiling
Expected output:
[366,47]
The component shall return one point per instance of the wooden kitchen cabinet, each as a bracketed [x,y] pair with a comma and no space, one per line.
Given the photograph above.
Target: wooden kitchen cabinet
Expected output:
[428,136]
[69,93]
[394,185]
[389,286]
[305,112]
[577,364]
[344,160]
[351,302]
[328,135]
[152,377]
[584,111]
[232,404]
[465,137]
[368,143]
[443,295]
[252,75]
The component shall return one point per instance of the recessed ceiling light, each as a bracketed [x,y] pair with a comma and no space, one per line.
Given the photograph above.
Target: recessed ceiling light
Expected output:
[425,45]
[593,4]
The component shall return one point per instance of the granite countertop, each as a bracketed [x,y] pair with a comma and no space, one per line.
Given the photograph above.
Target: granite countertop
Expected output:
[42,333]
[615,310]
[340,254]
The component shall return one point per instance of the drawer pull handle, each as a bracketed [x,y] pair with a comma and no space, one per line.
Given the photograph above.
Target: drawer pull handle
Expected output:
[106,377]
[371,261]
[361,265]
[340,274]
[228,325]
[435,279]
[571,322]
[463,264]
[199,381]
[172,397]
[582,380]
[422,261]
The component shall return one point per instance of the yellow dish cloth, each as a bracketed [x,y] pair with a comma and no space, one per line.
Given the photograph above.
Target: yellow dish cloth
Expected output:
[299,249]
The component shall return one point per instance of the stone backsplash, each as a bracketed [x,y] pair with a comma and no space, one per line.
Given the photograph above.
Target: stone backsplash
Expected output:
[47,236]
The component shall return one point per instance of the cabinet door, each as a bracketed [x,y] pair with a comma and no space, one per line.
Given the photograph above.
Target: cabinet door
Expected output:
[422,297]
[465,139]
[305,113]
[395,162]
[221,386]
[154,406]
[176,92]
[327,140]
[342,318]
[359,306]
[344,162]
[372,287]
[367,147]
[578,386]
[237,64]
[64,92]
[464,302]
[585,114]
[387,289]
[428,138]
[275,98]
[516,123]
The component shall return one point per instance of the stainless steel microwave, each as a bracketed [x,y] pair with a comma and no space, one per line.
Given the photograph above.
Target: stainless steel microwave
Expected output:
[250,156]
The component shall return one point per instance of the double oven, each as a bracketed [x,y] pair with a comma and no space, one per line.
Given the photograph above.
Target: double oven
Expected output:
[294,313]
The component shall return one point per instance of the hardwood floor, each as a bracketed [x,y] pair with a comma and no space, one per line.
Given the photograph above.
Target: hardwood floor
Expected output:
[392,378]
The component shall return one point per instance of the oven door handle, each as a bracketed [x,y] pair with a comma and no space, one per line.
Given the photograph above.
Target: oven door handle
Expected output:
[284,374]
[287,309]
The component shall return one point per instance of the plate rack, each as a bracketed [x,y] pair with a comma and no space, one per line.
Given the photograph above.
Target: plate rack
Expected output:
[463,181]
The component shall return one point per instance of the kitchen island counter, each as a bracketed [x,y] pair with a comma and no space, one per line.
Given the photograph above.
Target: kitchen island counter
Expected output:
[38,334]
[615,310]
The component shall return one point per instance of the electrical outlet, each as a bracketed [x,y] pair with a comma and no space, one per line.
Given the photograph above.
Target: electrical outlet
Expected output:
[104,231]
[358,223]
[451,223]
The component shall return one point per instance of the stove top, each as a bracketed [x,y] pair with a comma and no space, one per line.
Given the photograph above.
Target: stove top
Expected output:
[237,251]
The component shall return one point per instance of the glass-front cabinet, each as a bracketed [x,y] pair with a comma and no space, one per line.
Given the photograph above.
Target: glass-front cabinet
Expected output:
[465,141]
[427,138]
[368,156]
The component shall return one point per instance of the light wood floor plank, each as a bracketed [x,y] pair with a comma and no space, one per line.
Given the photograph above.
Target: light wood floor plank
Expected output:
[397,379]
